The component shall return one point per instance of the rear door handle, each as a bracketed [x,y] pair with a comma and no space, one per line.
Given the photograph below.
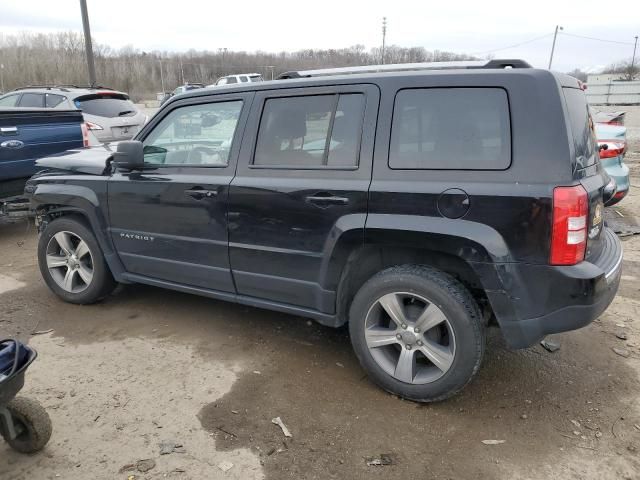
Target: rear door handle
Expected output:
[199,193]
[325,198]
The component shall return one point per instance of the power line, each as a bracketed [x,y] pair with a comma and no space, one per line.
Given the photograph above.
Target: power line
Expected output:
[596,39]
[515,45]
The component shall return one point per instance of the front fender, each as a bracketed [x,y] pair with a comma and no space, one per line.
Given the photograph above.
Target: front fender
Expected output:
[86,197]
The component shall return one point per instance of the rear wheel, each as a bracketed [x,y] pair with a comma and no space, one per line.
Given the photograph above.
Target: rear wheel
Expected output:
[417,332]
[72,263]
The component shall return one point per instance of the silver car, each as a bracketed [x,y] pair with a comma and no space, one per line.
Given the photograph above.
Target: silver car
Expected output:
[108,114]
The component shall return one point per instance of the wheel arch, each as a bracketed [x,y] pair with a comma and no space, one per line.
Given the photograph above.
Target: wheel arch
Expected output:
[460,248]
[54,200]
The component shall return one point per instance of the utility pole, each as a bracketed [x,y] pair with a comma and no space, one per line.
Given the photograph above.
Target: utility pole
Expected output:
[161,75]
[633,59]
[2,77]
[384,36]
[87,43]
[553,47]
[182,71]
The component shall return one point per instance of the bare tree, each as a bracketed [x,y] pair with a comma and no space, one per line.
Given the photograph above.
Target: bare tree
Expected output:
[58,58]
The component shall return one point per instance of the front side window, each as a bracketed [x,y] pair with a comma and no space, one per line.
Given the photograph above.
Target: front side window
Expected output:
[310,132]
[9,100]
[194,135]
[451,129]
[32,100]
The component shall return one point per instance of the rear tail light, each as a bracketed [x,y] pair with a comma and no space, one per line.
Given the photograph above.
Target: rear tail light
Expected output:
[613,148]
[93,126]
[85,134]
[569,232]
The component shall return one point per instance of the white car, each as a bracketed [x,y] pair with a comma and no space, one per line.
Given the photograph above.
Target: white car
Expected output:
[241,78]
[108,114]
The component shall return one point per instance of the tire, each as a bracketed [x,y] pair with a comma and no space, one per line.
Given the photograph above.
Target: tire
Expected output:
[35,423]
[88,279]
[433,364]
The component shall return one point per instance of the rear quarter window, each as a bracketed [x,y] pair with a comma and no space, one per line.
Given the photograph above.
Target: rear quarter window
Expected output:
[451,129]
[581,126]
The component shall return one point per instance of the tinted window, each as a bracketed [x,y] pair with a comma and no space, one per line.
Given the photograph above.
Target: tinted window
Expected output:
[106,105]
[244,78]
[581,127]
[451,128]
[194,135]
[32,100]
[9,100]
[53,100]
[314,131]
[232,80]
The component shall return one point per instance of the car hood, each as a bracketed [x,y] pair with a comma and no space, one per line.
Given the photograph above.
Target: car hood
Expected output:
[90,161]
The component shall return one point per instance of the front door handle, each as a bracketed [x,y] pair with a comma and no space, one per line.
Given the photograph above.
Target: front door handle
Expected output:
[198,193]
[325,198]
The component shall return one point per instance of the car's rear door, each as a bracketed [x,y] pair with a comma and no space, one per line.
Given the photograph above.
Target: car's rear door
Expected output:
[169,221]
[302,180]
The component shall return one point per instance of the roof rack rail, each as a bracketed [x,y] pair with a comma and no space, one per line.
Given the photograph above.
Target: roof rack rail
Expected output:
[62,87]
[401,67]
[27,87]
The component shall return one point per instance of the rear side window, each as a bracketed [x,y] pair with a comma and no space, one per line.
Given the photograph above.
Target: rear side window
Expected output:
[32,100]
[451,129]
[52,100]
[320,131]
[109,106]
[582,128]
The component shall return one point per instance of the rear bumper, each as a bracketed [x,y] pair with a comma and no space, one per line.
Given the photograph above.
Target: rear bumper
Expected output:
[551,299]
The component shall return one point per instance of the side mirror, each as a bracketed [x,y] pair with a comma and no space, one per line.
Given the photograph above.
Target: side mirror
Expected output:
[129,155]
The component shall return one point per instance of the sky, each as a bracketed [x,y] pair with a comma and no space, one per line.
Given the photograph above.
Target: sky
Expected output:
[464,26]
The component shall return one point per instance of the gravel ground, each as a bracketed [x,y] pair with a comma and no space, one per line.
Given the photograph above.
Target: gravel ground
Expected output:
[150,370]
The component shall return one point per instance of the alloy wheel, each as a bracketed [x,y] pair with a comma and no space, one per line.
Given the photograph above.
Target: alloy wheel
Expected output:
[69,262]
[410,338]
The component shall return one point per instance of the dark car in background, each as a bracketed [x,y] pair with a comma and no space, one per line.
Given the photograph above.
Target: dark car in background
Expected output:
[110,115]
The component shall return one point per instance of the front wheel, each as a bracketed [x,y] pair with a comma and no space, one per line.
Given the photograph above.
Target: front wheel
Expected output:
[417,332]
[72,263]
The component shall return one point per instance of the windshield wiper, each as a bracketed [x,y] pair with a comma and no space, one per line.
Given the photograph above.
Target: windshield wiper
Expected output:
[125,112]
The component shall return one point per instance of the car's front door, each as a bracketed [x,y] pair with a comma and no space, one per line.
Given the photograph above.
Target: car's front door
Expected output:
[169,220]
[300,184]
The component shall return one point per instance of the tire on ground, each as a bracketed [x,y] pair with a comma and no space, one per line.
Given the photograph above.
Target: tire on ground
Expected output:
[457,304]
[102,283]
[35,423]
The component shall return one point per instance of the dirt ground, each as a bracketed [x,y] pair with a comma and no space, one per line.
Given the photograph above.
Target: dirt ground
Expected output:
[149,369]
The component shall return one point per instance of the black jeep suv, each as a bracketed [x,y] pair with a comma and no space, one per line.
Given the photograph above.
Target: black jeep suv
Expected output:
[416,203]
